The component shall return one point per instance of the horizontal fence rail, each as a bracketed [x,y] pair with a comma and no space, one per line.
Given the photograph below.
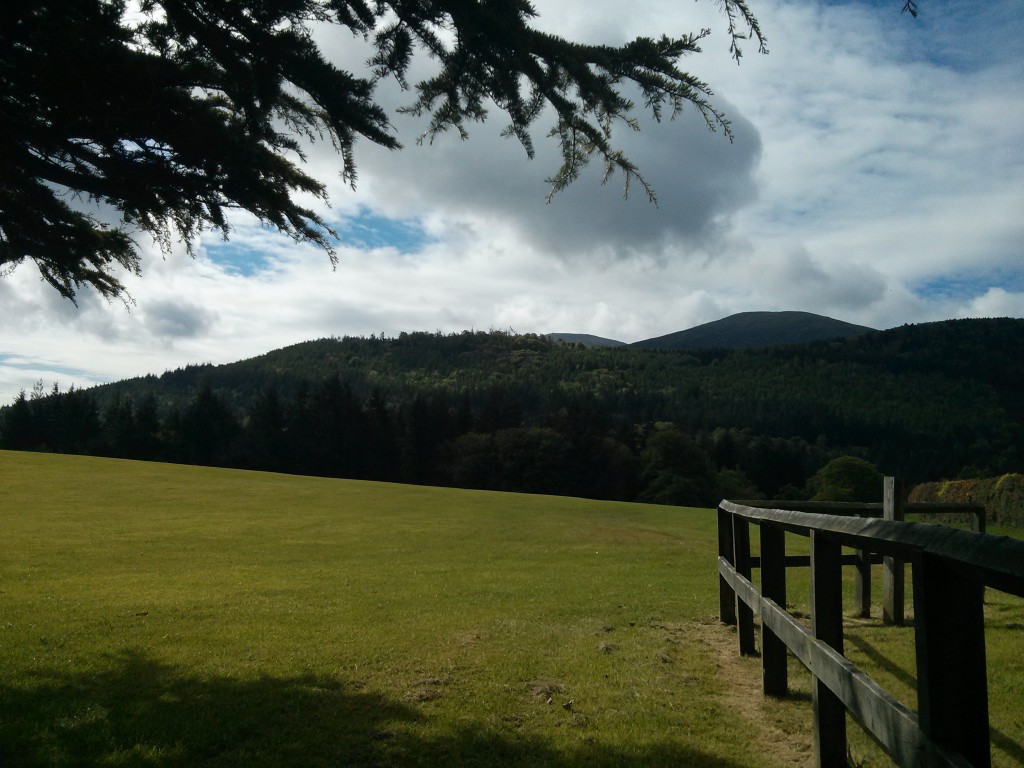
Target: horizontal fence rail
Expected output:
[950,568]
[975,512]
[891,508]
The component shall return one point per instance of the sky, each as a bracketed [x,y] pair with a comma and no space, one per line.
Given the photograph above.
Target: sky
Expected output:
[876,175]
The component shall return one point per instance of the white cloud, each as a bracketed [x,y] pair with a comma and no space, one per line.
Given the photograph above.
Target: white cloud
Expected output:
[876,157]
[996,302]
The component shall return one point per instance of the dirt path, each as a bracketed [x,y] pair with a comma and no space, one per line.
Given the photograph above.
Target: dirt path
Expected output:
[783,726]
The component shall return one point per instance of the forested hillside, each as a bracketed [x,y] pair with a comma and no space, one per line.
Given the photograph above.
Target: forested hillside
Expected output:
[526,413]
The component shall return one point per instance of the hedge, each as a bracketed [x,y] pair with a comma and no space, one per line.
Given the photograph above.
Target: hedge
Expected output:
[1003,496]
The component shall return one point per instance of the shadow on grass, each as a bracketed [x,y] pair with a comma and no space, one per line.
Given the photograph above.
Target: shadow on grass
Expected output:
[1003,615]
[883,661]
[146,713]
[1003,742]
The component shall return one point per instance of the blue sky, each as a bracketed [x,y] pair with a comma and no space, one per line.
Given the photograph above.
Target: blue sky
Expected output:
[877,176]
[364,230]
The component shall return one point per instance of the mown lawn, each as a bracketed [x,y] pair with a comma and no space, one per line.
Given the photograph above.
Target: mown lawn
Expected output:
[174,616]
[159,615]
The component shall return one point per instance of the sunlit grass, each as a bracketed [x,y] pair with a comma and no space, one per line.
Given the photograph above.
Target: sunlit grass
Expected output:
[161,615]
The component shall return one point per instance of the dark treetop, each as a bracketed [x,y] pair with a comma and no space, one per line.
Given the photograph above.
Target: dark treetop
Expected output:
[171,117]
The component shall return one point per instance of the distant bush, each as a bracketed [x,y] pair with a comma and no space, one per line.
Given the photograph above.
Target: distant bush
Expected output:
[1002,496]
[846,478]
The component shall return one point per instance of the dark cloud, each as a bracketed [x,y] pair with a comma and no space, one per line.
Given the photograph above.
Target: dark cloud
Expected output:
[699,177]
[798,279]
[172,319]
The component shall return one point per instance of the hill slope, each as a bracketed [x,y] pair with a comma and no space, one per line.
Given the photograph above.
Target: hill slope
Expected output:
[756,329]
[525,413]
[248,619]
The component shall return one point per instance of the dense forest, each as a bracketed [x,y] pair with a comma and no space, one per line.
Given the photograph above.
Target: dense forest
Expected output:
[503,411]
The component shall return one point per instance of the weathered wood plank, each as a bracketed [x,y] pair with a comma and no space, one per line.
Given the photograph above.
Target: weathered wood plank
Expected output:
[950,637]
[862,559]
[866,509]
[804,561]
[894,725]
[726,596]
[978,520]
[892,567]
[952,685]
[774,667]
[743,588]
[996,561]
[827,626]
[741,561]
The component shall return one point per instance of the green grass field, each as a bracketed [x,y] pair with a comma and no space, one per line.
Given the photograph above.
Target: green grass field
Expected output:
[159,615]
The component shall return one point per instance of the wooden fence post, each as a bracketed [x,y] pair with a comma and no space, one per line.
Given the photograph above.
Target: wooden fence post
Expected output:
[744,613]
[827,626]
[863,583]
[726,595]
[978,520]
[774,669]
[892,577]
[952,685]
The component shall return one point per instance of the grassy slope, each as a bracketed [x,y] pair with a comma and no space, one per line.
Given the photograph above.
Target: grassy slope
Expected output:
[163,615]
[170,616]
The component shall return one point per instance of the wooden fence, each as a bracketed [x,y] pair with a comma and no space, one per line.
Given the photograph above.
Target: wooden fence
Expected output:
[950,570]
[892,507]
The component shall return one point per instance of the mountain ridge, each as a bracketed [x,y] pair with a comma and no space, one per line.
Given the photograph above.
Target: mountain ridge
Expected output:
[738,331]
[756,329]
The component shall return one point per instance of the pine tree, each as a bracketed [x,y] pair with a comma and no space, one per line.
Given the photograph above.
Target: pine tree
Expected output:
[171,113]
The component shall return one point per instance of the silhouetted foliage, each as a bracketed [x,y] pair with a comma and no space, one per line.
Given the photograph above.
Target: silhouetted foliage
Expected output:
[675,469]
[171,113]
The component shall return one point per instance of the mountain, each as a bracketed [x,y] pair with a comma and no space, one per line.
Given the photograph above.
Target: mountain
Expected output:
[756,329]
[586,340]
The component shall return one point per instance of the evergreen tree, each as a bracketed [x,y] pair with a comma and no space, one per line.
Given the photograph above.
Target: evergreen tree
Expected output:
[326,431]
[425,426]
[207,430]
[173,112]
[380,454]
[676,470]
[19,430]
[120,431]
[263,439]
[147,443]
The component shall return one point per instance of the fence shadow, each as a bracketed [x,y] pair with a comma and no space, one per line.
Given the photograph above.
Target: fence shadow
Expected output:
[143,712]
[1000,740]
[881,660]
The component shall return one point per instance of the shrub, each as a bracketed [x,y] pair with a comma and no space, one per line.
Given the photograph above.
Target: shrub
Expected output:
[1002,496]
[846,478]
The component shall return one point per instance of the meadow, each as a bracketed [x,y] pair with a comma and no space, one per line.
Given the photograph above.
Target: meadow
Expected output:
[162,615]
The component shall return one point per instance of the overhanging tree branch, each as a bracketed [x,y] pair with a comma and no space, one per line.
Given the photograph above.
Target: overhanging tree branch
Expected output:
[175,116]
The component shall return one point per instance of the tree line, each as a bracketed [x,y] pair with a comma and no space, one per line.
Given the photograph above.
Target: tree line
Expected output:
[437,438]
[516,412]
